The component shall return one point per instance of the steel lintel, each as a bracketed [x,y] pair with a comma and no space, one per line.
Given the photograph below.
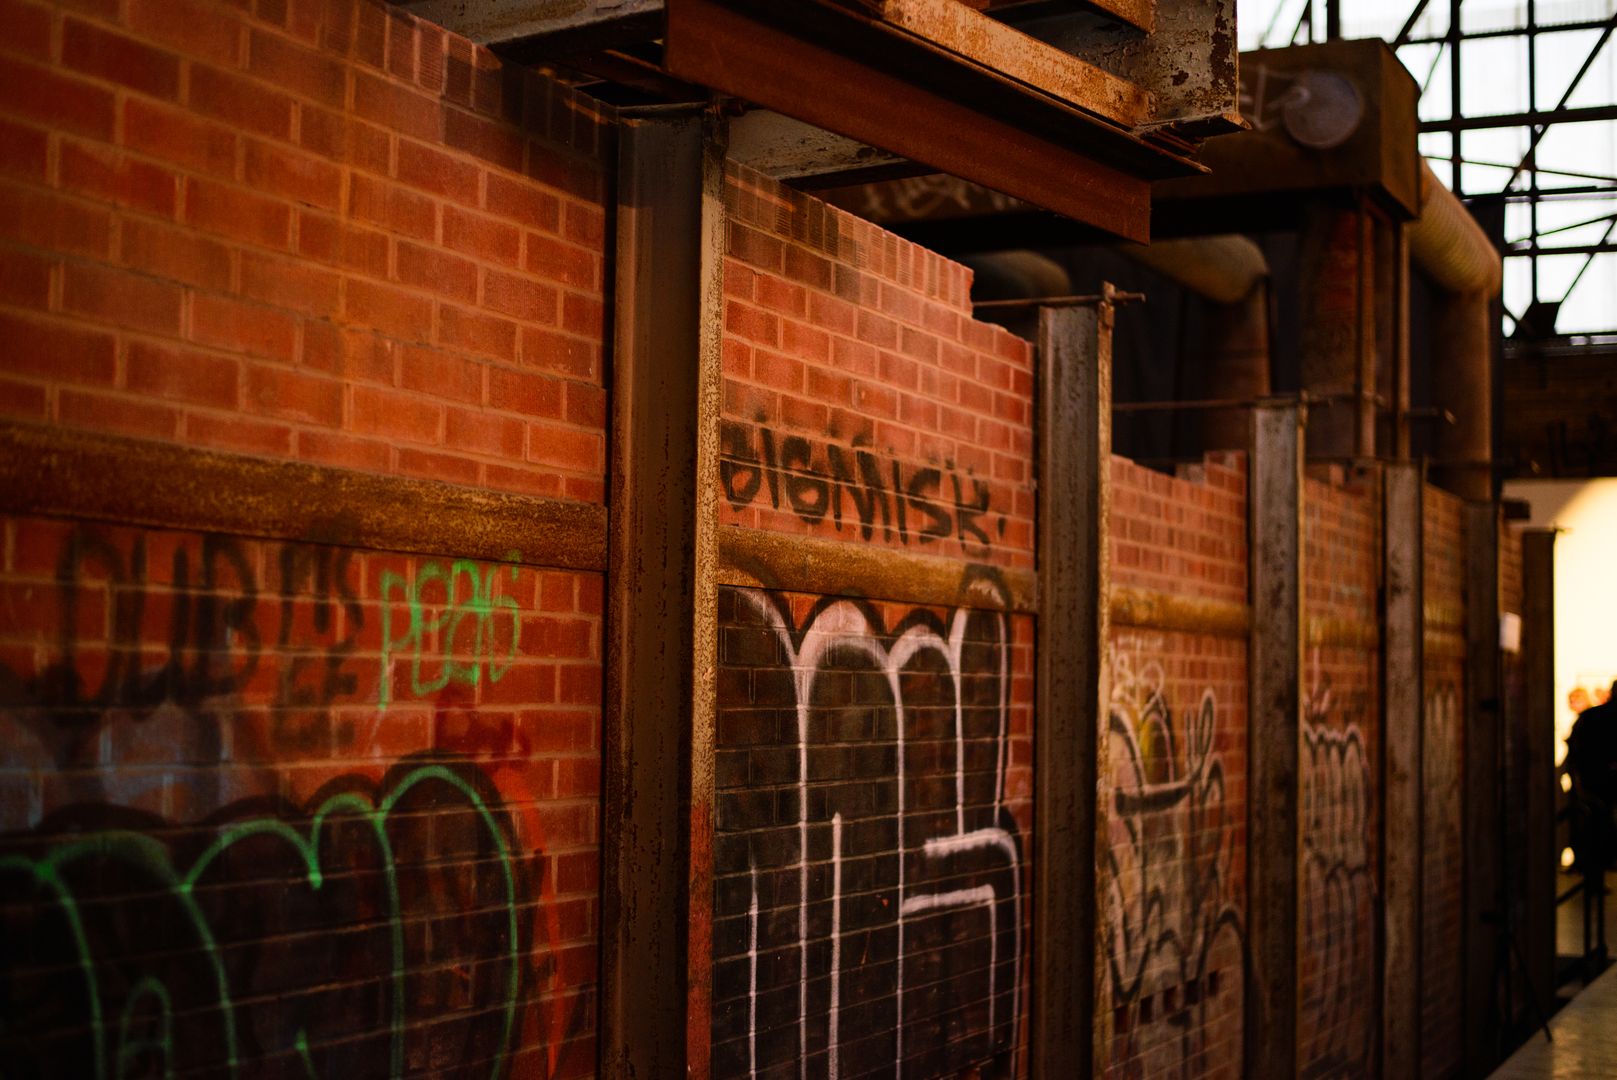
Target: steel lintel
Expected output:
[558,25]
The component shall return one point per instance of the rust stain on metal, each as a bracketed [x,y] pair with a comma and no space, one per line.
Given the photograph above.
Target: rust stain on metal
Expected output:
[62,473]
[750,558]
[1150,610]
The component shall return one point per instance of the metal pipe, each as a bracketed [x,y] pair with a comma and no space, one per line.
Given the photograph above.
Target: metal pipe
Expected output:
[1448,245]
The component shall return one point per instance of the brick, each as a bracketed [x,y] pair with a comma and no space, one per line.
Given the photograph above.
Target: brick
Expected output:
[25,279]
[195,28]
[291,284]
[353,355]
[47,220]
[339,137]
[586,405]
[240,215]
[22,151]
[525,393]
[104,54]
[240,101]
[756,248]
[25,401]
[404,315]
[486,140]
[565,448]
[238,434]
[437,271]
[297,69]
[57,351]
[288,394]
[103,173]
[583,315]
[336,242]
[439,173]
[476,332]
[58,101]
[560,261]
[176,136]
[227,323]
[401,45]
[121,298]
[116,414]
[442,375]
[483,238]
[397,209]
[182,375]
[169,251]
[448,468]
[559,352]
[519,296]
[343,451]
[394,415]
[302,178]
[28,27]
[484,433]
[521,201]
[585,226]
[397,108]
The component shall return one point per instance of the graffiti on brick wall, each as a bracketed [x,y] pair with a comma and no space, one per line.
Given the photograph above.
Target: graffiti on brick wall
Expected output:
[1338,886]
[135,948]
[1174,939]
[856,489]
[869,908]
[400,919]
[1441,764]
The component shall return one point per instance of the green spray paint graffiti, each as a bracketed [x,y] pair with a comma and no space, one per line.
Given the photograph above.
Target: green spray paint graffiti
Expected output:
[142,1033]
[472,611]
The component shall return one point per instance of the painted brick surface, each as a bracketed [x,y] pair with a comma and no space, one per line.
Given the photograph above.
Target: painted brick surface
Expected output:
[861,400]
[310,229]
[874,767]
[1442,902]
[1341,726]
[316,810]
[1174,875]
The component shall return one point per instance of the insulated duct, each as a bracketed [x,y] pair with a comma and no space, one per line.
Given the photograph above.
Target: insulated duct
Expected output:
[1451,249]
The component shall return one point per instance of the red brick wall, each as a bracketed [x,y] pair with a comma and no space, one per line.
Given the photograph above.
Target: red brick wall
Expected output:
[872,856]
[1442,902]
[312,230]
[853,372]
[308,229]
[1176,870]
[1341,726]
[247,765]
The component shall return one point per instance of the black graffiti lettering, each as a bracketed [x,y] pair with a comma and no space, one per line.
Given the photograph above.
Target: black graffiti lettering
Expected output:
[875,496]
[771,470]
[938,525]
[808,495]
[898,503]
[967,513]
[738,466]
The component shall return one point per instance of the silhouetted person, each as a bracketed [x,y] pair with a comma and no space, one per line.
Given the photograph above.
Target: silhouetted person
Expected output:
[1591,758]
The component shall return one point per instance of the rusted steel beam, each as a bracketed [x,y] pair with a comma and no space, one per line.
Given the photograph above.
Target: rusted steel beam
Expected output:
[1274,751]
[1146,609]
[1403,701]
[60,473]
[752,558]
[557,24]
[848,86]
[1341,633]
[657,814]
[1481,790]
[789,149]
[1538,740]
[1070,1031]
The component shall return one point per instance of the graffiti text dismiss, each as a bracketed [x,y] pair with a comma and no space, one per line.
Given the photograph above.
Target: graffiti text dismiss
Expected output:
[875,494]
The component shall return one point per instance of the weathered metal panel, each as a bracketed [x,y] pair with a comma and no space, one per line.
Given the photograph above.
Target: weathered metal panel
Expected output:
[1403,700]
[108,478]
[503,22]
[1274,834]
[1069,1029]
[1482,788]
[657,811]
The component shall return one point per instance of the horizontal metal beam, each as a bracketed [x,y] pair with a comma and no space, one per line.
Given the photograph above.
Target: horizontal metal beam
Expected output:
[1533,118]
[789,149]
[1607,248]
[568,24]
[59,473]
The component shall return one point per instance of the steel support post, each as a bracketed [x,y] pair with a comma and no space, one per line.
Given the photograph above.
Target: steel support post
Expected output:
[656,896]
[1403,696]
[1070,1024]
[1482,793]
[1538,676]
[1274,834]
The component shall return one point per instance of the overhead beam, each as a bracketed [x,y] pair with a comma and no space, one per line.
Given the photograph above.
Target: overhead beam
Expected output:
[1531,118]
[564,25]
[789,149]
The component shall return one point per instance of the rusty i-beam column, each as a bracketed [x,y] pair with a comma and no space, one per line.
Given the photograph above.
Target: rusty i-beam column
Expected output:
[1482,792]
[656,892]
[1403,696]
[1538,659]
[1274,756]
[1075,458]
